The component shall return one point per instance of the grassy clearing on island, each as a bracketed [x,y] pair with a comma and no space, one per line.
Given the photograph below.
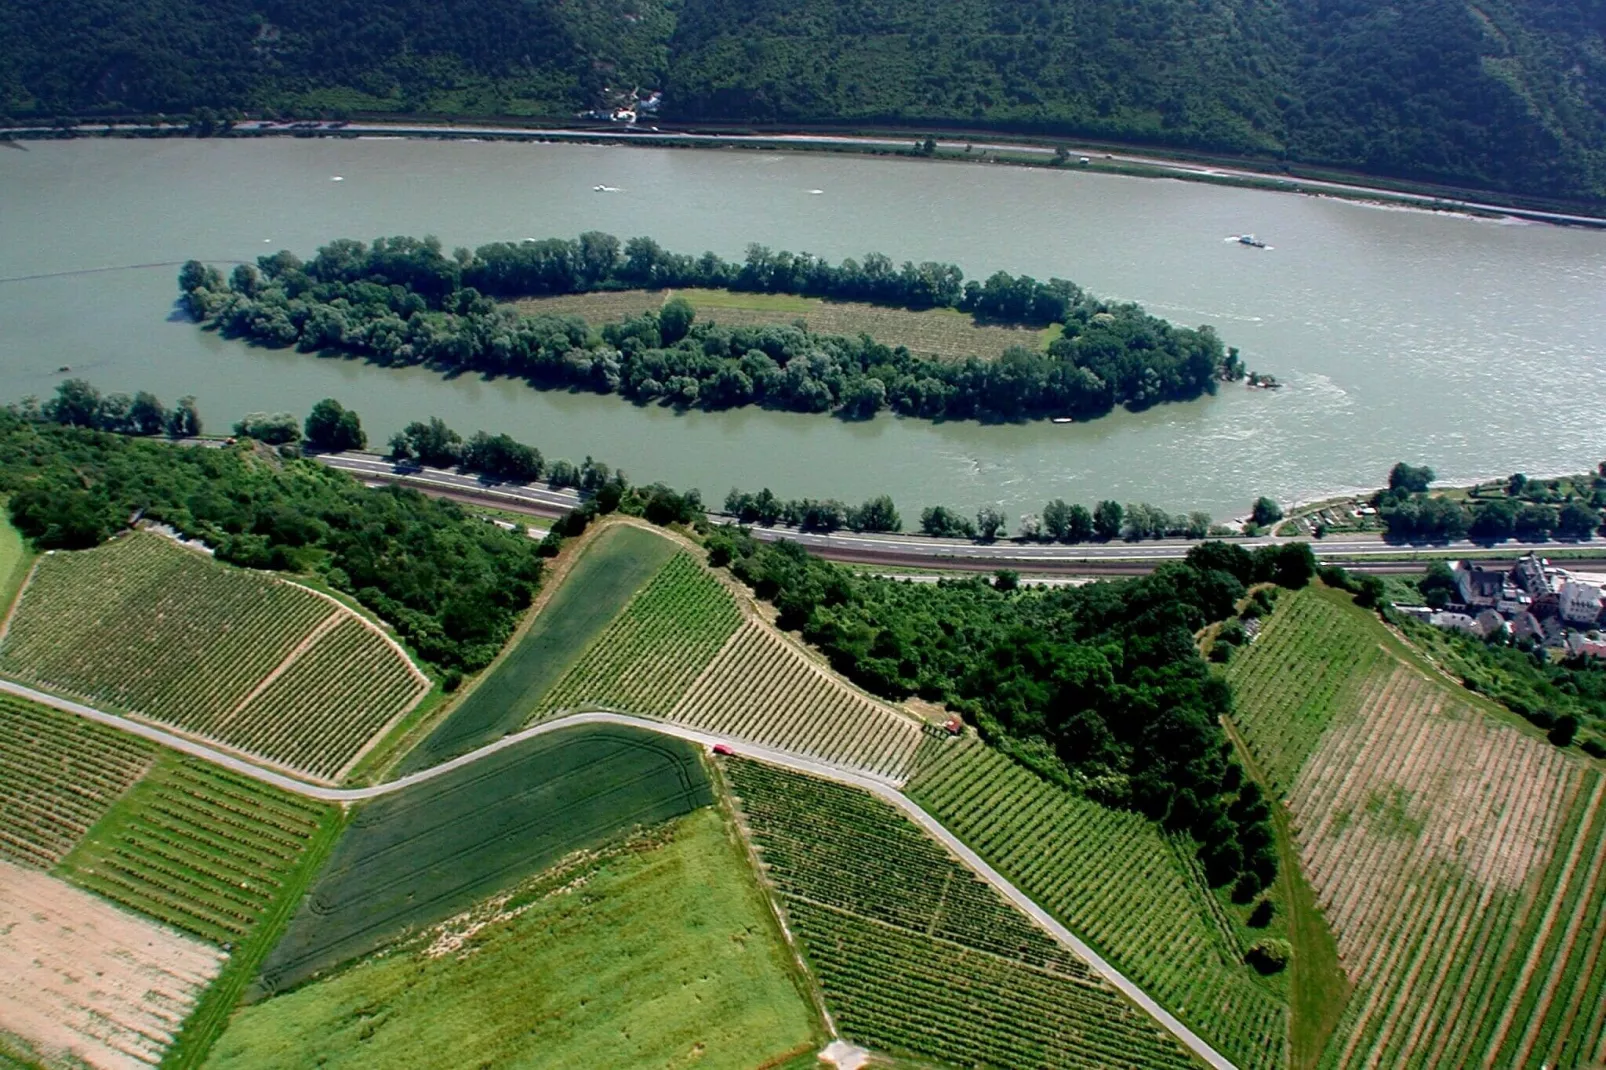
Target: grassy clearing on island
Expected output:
[937,332]
[916,955]
[658,952]
[144,625]
[609,571]
[1460,861]
[412,859]
[1113,878]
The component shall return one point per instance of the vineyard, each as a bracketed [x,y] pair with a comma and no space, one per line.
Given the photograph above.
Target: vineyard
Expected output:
[762,689]
[646,659]
[275,670]
[1303,667]
[1109,876]
[1460,863]
[916,955]
[618,561]
[59,774]
[197,847]
[414,858]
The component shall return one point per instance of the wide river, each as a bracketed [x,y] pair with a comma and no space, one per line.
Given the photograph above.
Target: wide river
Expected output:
[1476,347]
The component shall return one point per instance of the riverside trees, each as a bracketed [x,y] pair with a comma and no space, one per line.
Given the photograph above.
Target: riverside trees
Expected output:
[404,301]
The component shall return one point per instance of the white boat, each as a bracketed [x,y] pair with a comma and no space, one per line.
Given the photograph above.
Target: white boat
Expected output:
[1062,420]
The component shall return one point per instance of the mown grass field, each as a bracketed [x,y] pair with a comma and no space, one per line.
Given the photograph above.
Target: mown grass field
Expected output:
[917,956]
[650,653]
[143,625]
[1460,861]
[937,332]
[658,952]
[1112,878]
[610,570]
[411,859]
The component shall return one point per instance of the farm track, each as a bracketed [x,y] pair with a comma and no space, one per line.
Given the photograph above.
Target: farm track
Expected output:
[880,787]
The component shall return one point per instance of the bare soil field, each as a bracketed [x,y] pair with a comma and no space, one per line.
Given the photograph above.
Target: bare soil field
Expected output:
[85,983]
[939,332]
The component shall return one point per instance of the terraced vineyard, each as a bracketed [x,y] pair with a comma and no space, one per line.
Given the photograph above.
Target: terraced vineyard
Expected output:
[146,626]
[1307,661]
[916,955]
[196,847]
[59,774]
[760,688]
[644,661]
[1111,878]
[1460,862]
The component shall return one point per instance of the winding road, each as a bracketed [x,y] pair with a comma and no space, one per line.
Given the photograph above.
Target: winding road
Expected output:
[881,787]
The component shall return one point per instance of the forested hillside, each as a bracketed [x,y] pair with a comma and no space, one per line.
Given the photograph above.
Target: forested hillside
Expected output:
[1504,94]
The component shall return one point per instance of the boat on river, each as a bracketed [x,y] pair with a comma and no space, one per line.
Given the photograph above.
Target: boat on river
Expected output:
[1251,241]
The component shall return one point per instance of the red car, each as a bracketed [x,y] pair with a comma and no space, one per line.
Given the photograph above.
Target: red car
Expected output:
[723,748]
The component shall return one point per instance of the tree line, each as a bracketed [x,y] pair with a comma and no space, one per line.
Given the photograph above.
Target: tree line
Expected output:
[1100,688]
[1526,512]
[404,301]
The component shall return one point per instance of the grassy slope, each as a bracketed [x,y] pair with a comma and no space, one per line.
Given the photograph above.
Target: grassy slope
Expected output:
[666,958]
[609,571]
[416,857]
[15,559]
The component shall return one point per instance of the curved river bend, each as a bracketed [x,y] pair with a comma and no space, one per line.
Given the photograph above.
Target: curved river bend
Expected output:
[1473,346]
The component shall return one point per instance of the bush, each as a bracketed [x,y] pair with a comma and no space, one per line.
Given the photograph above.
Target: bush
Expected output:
[1265,910]
[1594,747]
[1564,730]
[1270,955]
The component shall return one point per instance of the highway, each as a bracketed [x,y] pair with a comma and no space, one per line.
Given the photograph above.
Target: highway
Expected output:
[878,786]
[910,550]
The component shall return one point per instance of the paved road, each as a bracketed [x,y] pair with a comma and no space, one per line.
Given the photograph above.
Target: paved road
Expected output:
[878,786]
[886,548]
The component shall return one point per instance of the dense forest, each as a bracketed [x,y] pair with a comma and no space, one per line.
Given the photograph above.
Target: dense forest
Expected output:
[453,586]
[404,301]
[1100,687]
[1530,510]
[1507,94]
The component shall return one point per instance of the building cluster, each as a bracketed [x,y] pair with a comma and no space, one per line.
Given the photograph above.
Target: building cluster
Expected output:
[1533,601]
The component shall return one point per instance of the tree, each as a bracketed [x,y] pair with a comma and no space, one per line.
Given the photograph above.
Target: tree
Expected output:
[1079,527]
[1412,480]
[147,415]
[1107,520]
[675,319]
[185,420]
[1438,586]
[335,428]
[989,523]
[76,404]
[877,514]
[1266,512]
[1057,520]
[944,523]
[1006,580]
[275,429]
[433,443]
[1564,730]
[1577,521]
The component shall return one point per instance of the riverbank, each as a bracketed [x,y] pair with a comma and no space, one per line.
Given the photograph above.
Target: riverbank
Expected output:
[965,147]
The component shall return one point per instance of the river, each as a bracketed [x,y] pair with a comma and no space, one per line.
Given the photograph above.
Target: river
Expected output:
[1473,346]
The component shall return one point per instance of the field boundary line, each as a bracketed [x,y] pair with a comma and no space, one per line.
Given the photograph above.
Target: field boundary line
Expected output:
[22,588]
[407,659]
[880,787]
[319,630]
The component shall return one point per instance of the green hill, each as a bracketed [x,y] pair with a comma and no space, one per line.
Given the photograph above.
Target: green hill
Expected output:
[1508,95]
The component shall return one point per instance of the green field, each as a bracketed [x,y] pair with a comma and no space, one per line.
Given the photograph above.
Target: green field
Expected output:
[143,625]
[411,859]
[666,956]
[196,847]
[15,559]
[919,957]
[1111,877]
[59,774]
[937,332]
[650,654]
[613,565]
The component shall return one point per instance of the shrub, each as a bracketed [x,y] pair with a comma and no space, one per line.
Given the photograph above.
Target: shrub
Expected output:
[1270,955]
[1564,730]
[1594,747]
[1265,910]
